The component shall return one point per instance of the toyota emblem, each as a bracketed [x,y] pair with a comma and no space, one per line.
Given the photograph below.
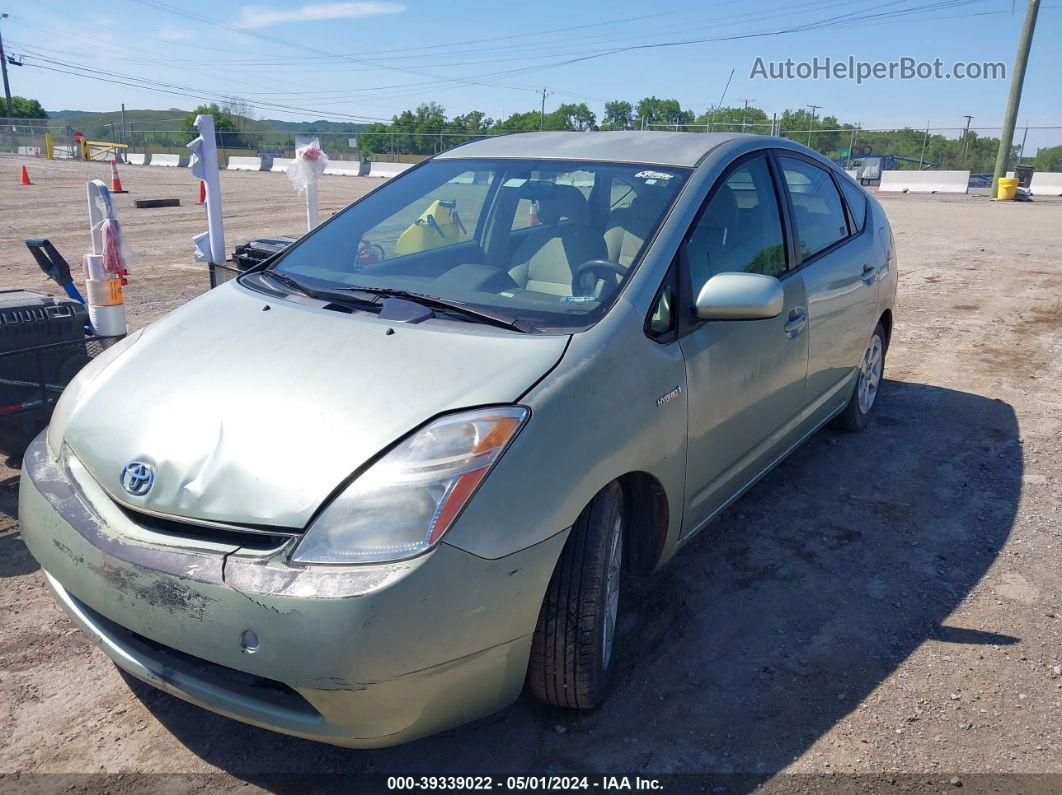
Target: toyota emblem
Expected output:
[137,478]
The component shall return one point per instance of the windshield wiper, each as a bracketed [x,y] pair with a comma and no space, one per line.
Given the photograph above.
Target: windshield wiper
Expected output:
[501,319]
[342,295]
[290,283]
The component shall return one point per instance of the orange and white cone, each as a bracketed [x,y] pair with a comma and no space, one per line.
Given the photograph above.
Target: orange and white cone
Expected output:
[532,216]
[24,180]
[116,184]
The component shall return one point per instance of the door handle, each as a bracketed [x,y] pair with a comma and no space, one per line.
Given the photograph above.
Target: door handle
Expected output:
[795,324]
[869,275]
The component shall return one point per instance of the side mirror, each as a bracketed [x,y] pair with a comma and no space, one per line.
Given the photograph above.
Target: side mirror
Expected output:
[740,296]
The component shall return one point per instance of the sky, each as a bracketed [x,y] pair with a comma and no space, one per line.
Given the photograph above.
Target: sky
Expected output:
[365,61]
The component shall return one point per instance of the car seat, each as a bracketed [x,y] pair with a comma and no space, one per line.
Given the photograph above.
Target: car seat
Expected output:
[546,259]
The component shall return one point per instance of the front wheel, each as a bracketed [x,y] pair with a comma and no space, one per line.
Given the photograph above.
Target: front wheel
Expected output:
[572,653]
[864,398]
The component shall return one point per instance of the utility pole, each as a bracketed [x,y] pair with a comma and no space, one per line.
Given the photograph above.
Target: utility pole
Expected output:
[3,67]
[123,124]
[745,113]
[925,138]
[966,139]
[1021,61]
[542,114]
[811,126]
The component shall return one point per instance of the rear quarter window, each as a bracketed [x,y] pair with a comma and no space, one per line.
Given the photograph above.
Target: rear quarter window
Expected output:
[856,200]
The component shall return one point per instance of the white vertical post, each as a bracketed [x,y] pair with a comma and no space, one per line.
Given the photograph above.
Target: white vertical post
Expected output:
[103,290]
[313,216]
[304,170]
[97,194]
[205,149]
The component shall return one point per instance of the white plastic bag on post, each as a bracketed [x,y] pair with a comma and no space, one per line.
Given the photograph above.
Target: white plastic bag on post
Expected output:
[106,268]
[304,171]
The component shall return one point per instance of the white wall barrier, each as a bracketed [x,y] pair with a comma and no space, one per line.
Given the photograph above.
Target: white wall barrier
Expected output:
[387,170]
[924,181]
[29,151]
[344,168]
[170,161]
[1046,183]
[853,173]
[245,164]
[280,164]
[136,158]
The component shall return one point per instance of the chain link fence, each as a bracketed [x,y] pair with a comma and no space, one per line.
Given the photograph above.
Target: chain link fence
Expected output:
[922,147]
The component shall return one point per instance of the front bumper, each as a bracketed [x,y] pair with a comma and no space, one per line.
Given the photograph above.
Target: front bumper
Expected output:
[361,656]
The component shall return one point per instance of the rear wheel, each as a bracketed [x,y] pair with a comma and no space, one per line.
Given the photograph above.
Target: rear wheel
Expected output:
[864,398]
[573,650]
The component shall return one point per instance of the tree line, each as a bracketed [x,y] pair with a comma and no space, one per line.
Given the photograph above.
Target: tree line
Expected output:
[426,130]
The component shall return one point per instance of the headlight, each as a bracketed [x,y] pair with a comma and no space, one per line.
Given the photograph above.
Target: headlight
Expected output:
[76,388]
[403,504]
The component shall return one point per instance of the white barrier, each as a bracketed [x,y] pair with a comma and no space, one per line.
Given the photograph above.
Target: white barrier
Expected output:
[343,168]
[387,170]
[853,173]
[29,151]
[245,163]
[1046,183]
[924,181]
[170,161]
[136,159]
[280,164]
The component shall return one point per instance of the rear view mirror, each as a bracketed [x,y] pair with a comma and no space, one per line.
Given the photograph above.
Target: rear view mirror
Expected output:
[740,296]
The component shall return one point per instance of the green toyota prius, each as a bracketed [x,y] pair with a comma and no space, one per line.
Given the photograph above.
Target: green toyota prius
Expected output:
[370,488]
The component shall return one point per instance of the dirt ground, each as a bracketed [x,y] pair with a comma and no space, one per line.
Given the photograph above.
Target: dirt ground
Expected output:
[886,603]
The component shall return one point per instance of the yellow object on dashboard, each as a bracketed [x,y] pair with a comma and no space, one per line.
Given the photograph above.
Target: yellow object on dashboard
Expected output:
[439,225]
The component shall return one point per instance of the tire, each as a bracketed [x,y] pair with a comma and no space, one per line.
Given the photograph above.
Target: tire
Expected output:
[856,415]
[573,650]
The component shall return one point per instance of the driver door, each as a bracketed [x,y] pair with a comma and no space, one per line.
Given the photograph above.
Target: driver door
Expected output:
[745,377]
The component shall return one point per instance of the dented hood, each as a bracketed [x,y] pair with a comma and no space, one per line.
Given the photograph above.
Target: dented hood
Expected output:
[255,416]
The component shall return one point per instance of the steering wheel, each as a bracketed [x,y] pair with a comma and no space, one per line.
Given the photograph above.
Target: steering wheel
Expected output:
[595,266]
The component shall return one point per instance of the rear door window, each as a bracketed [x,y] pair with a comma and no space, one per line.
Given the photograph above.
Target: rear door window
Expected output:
[820,218]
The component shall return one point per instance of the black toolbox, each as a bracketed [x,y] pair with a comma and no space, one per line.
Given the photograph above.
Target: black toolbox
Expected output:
[249,254]
[42,346]
[29,318]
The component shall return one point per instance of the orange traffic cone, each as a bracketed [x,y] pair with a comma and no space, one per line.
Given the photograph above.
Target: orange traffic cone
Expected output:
[202,192]
[25,177]
[116,184]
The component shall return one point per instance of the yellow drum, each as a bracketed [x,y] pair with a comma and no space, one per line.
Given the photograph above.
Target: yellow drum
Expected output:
[439,225]
[1008,188]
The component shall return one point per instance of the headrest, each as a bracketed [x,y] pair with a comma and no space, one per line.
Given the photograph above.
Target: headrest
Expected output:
[563,202]
[722,213]
[650,204]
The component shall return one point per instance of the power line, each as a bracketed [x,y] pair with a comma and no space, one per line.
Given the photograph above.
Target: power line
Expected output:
[156,4]
[163,87]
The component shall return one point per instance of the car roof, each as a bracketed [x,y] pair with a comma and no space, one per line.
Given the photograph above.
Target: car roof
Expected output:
[635,146]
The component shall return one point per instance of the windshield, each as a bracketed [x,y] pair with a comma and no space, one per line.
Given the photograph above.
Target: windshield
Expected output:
[549,243]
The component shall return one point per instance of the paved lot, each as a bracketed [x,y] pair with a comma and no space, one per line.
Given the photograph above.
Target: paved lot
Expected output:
[884,603]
